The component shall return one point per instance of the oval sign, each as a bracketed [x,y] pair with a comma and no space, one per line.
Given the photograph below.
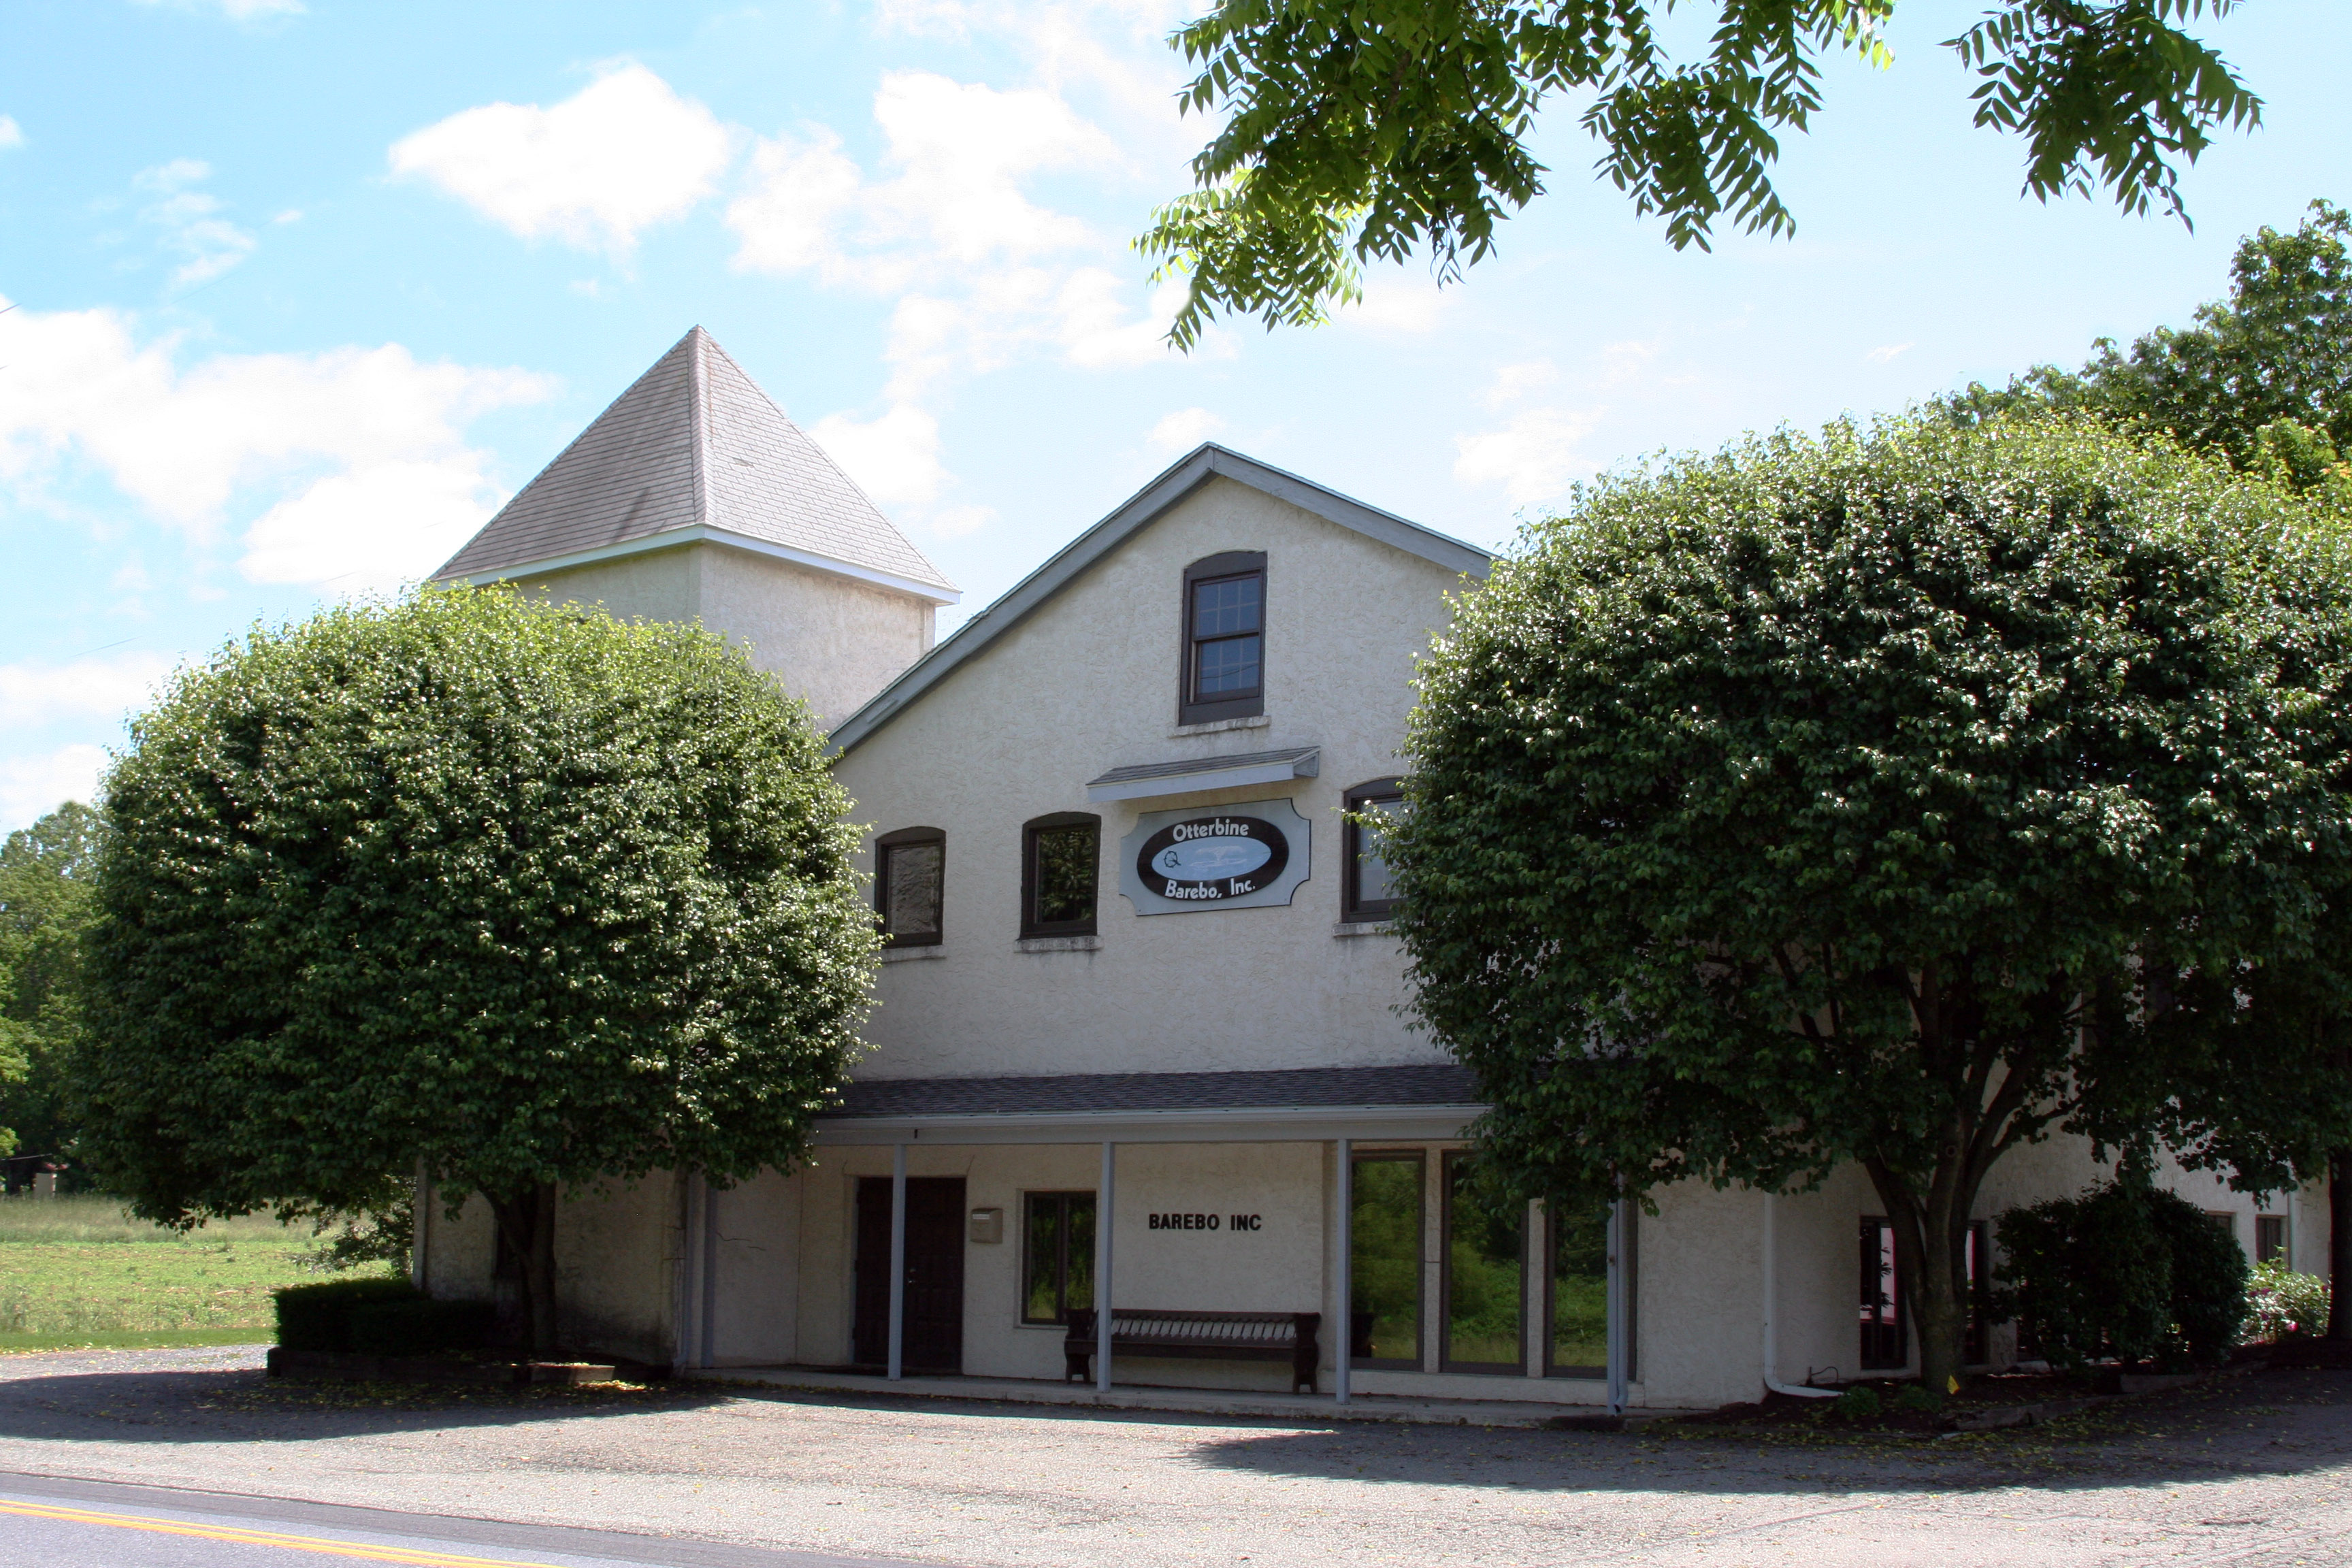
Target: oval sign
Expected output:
[1207,859]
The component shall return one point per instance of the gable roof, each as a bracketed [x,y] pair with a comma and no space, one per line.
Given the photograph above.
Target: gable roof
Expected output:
[1207,462]
[695,450]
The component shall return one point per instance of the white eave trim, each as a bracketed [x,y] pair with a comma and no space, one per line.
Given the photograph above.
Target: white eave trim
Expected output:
[704,534]
[1271,1124]
[1193,781]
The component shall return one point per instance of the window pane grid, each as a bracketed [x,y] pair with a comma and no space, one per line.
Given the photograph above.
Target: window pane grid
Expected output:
[1058,1250]
[1226,666]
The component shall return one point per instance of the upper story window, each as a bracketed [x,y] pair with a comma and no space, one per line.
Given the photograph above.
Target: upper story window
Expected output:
[1059,857]
[1224,638]
[909,866]
[1369,891]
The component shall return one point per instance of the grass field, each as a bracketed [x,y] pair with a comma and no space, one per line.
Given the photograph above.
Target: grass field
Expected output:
[77,1271]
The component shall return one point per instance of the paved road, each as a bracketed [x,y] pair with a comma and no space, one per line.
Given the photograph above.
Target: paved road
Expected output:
[48,1521]
[2255,1471]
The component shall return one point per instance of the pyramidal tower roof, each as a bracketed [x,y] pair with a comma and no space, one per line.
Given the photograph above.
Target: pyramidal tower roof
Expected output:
[695,450]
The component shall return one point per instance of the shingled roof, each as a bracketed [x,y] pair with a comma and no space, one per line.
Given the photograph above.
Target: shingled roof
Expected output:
[696,450]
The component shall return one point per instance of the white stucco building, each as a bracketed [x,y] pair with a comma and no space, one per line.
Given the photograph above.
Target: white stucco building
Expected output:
[1140,1018]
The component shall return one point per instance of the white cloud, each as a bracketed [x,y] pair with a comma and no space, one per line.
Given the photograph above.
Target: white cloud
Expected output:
[1183,430]
[894,459]
[983,275]
[32,787]
[236,10]
[321,444]
[1395,305]
[1514,382]
[622,154]
[1886,353]
[11,133]
[93,688]
[955,522]
[1533,457]
[191,221]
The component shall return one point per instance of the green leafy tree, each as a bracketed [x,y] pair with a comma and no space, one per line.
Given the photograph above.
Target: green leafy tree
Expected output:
[45,903]
[1867,799]
[523,896]
[2262,379]
[1360,131]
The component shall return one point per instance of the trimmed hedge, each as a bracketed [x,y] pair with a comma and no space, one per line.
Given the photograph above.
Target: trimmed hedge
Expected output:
[318,1317]
[421,1327]
[2125,1270]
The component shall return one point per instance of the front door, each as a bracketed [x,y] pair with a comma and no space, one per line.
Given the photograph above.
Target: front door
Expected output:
[934,1325]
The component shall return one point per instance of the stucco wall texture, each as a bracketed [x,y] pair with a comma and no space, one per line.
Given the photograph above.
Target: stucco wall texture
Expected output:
[833,640]
[1090,683]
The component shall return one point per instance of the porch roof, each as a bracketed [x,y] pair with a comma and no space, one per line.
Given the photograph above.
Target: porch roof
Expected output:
[1294,1102]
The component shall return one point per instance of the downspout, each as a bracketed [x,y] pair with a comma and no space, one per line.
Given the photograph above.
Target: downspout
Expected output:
[1771,1323]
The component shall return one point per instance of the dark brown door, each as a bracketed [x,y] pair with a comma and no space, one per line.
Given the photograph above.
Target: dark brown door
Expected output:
[934,1327]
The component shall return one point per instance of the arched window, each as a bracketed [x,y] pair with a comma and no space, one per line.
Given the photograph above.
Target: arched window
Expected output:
[909,873]
[1224,638]
[1059,859]
[1366,893]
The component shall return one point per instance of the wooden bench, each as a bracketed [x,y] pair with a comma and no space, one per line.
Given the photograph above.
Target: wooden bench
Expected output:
[1206,1336]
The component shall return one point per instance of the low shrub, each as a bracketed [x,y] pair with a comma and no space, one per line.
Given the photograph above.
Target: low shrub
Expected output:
[318,1317]
[1918,1396]
[1857,1403]
[2125,1270]
[2284,1305]
[420,1327]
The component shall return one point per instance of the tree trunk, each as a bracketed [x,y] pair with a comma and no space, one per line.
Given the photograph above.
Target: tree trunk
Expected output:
[1930,1270]
[2339,1245]
[527,1220]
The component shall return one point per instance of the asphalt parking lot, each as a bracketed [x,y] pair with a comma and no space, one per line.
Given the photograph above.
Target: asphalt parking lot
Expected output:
[2251,1470]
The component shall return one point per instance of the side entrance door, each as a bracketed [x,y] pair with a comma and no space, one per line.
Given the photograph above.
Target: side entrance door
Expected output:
[934,1326]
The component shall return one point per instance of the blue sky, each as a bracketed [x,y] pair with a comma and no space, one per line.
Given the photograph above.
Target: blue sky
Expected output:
[302,291]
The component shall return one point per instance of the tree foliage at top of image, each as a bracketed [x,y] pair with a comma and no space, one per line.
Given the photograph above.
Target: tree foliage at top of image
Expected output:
[1360,131]
[2262,379]
[45,903]
[522,893]
[1892,797]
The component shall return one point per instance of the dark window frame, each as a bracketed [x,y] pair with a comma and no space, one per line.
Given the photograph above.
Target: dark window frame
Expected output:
[884,847]
[1631,1247]
[1870,1256]
[1062,1262]
[1031,926]
[1446,1360]
[2271,1238]
[1190,708]
[1354,908]
[1419,1160]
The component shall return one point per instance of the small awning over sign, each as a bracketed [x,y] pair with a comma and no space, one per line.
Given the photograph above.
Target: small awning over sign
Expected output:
[1152,781]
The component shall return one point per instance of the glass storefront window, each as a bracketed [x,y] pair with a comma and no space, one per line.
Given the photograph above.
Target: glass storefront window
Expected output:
[1484,1276]
[1384,1264]
[1057,1250]
[1579,1293]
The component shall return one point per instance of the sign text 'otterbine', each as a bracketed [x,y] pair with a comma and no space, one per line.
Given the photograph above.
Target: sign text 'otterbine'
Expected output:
[1209,859]
[1246,855]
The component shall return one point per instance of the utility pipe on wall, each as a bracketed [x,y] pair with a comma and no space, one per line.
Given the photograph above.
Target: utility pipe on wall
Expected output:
[1772,1325]
[1105,1206]
[705,1340]
[1346,1338]
[897,1260]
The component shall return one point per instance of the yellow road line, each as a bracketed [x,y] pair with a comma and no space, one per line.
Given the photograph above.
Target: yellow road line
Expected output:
[406,1555]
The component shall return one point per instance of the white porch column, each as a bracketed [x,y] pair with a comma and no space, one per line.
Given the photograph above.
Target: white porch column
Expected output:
[897,1259]
[1617,1344]
[704,1342]
[1105,1206]
[1347,1326]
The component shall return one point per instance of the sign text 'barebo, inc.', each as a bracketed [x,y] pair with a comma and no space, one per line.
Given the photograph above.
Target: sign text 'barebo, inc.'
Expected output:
[1240,1222]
